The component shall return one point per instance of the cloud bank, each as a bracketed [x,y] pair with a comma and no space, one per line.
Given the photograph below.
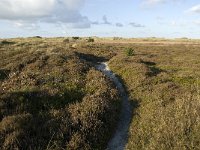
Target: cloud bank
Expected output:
[195,9]
[48,11]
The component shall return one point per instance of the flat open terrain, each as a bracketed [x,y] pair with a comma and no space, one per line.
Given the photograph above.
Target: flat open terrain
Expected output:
[52,97]
[163,84]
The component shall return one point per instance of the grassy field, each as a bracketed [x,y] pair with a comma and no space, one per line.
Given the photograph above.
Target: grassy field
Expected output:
[52,97]
[164,81]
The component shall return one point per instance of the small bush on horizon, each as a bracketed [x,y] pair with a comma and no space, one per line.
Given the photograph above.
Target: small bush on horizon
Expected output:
[75,38]
[90,40]
[39,37]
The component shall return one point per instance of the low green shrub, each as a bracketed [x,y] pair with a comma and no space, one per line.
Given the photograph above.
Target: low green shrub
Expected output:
[5,42]
[75,37]
[129,52]
[90,40]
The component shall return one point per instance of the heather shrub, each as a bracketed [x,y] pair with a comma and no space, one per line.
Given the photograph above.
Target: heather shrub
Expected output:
[50,98]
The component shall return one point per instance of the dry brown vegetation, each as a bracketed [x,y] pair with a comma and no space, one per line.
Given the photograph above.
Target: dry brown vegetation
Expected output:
[52,97]
[164,80]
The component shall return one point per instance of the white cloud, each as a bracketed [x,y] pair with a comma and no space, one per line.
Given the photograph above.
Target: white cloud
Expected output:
[197,22]
[194,9]
[95,23]
[136,25]
[153,2]
[73,4]
[156,2]
[119,24]
[25,9]
[105,20]
[50,11]
[159,18]
[26,25]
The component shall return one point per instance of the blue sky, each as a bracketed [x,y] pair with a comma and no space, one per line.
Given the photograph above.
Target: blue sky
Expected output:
[104,18]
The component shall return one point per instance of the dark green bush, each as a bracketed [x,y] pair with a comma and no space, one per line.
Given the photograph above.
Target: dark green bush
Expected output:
[75,38]
[129,52]
[5,42]
[90,40]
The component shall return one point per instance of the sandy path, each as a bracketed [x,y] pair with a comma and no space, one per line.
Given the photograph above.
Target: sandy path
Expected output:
[119,139]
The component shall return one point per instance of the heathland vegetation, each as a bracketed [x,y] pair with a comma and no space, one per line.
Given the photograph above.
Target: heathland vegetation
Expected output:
[164,82]
[52,97]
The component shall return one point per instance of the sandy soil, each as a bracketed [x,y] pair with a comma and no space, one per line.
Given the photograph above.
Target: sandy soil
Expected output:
[119,139]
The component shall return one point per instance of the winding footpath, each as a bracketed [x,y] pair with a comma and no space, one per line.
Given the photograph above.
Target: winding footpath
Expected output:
[119,139]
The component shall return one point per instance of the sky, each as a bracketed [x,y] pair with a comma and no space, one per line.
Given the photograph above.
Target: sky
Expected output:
[103,18]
